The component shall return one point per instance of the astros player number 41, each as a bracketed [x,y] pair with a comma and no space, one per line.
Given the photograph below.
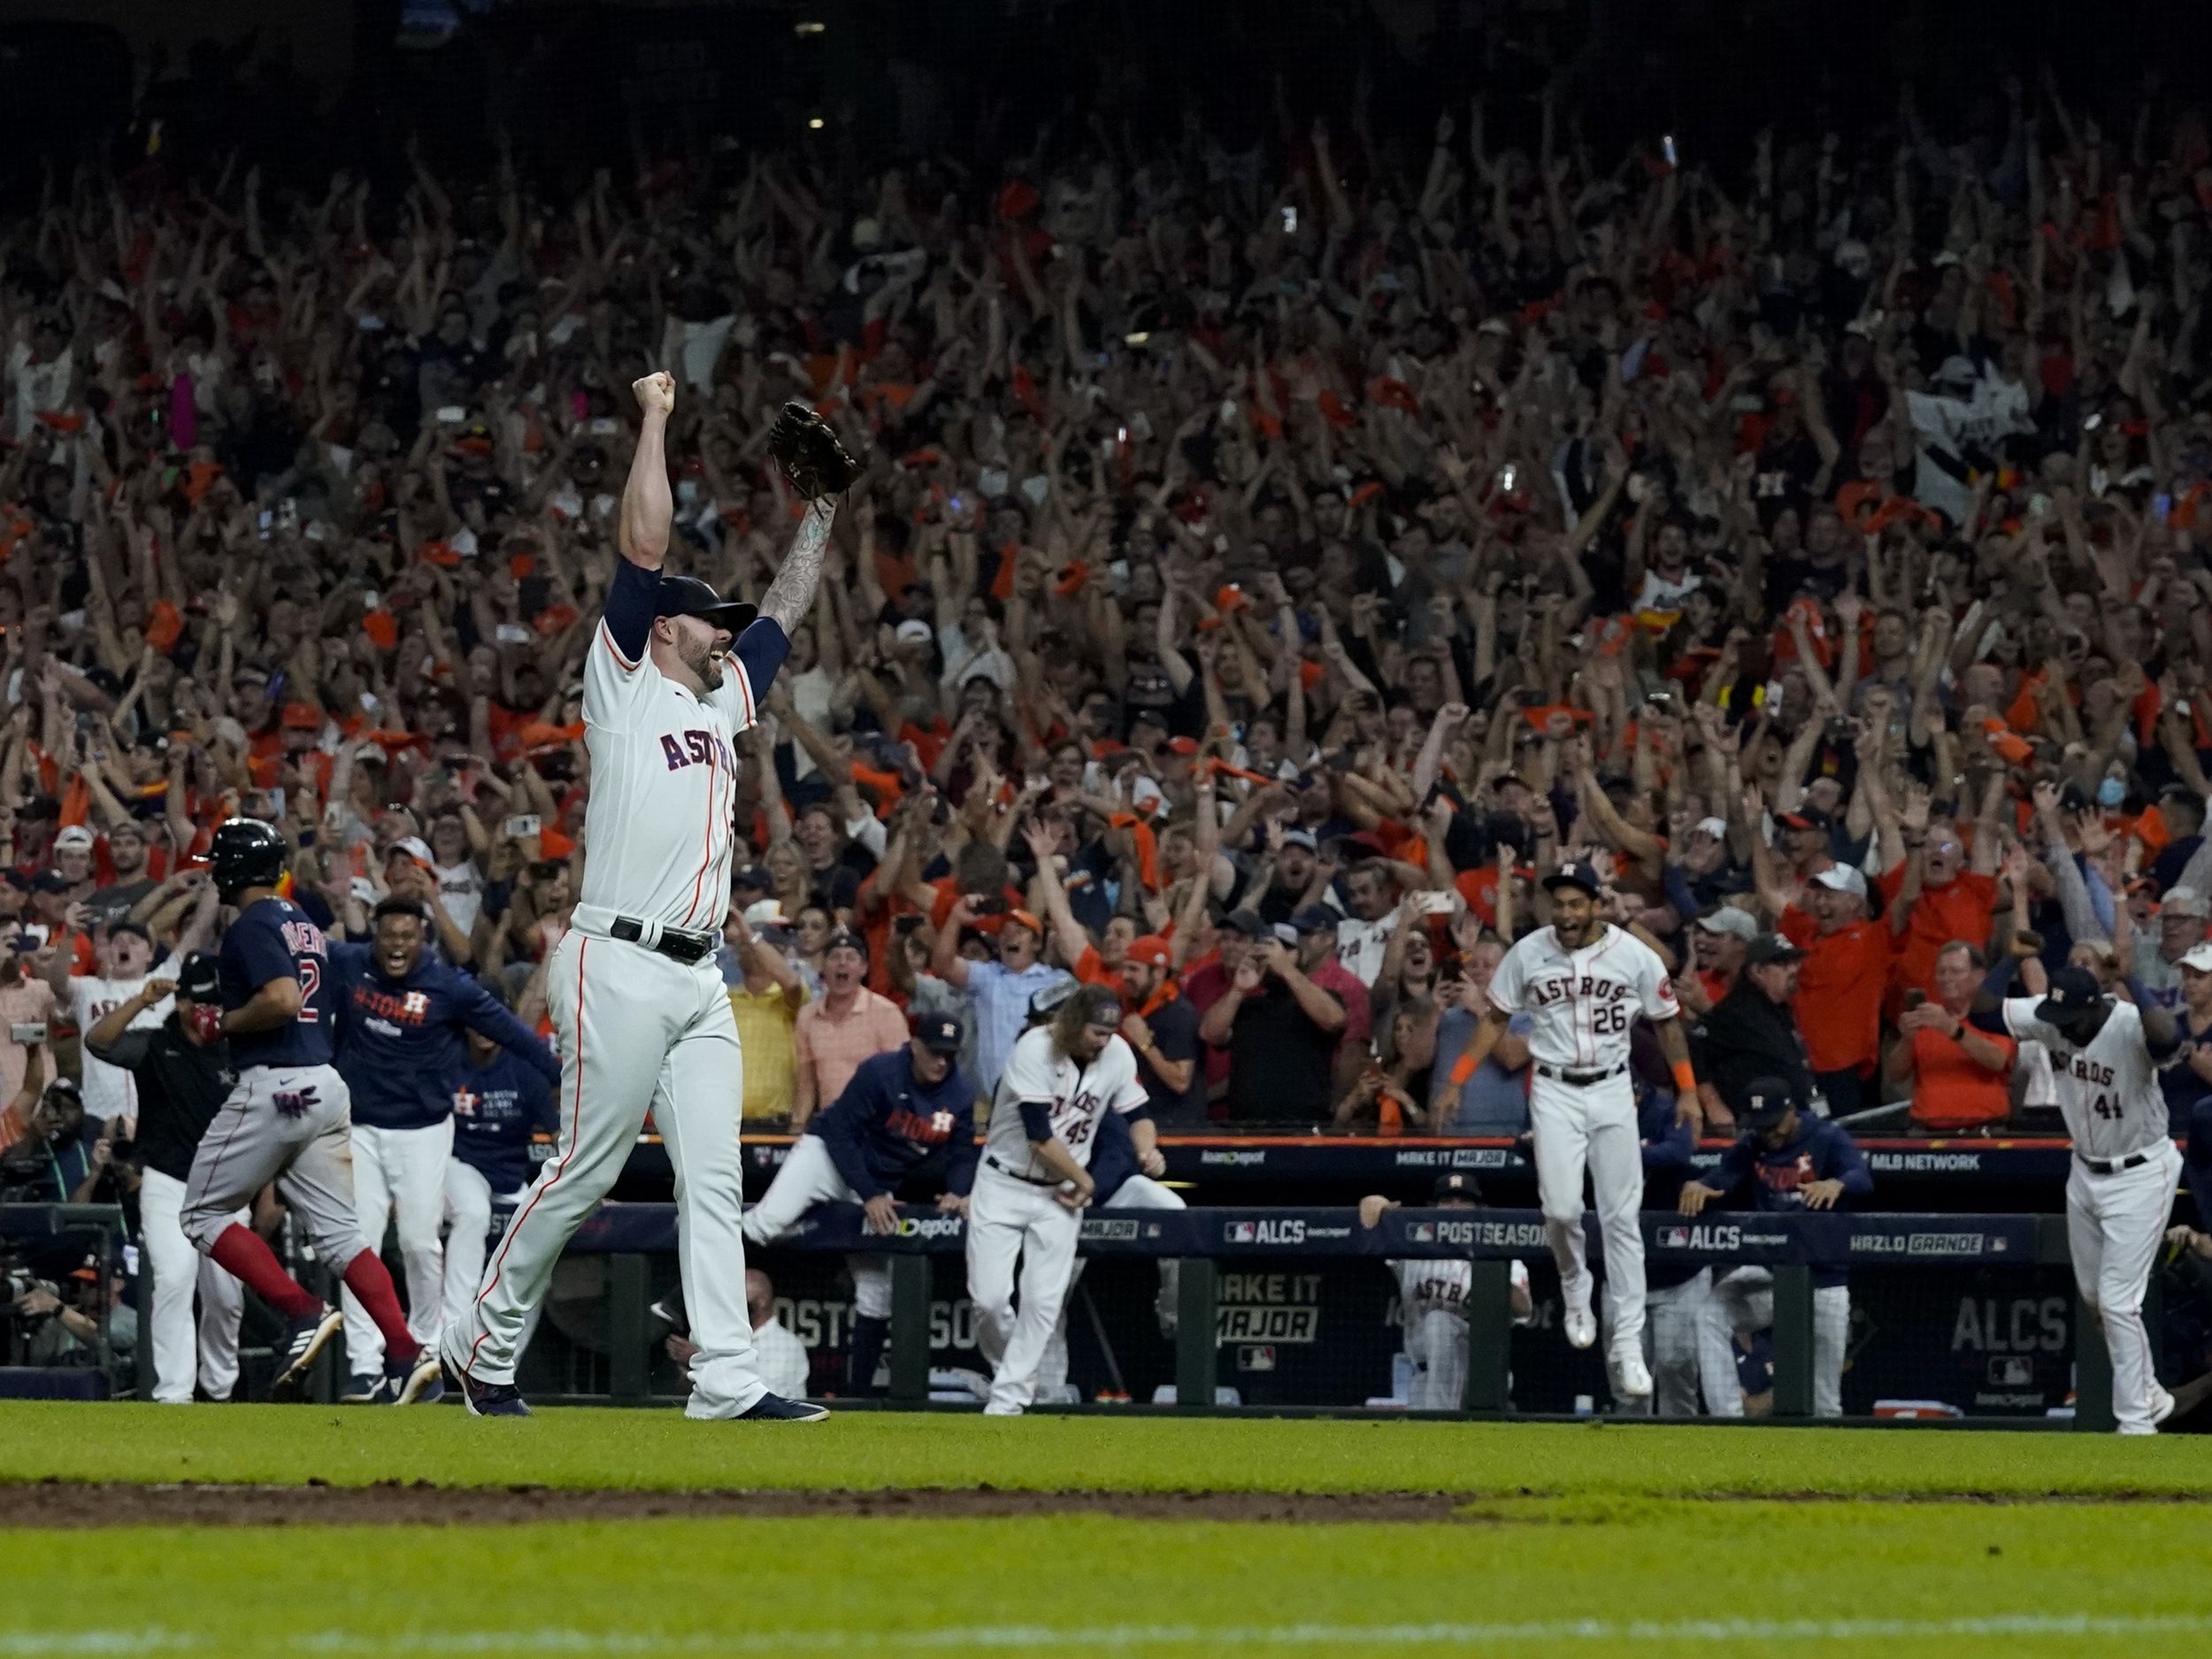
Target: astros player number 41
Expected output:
[639,1008]
[1584,982]
[2105,1056]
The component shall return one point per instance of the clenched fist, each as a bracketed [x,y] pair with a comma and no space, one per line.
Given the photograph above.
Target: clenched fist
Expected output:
[656,392]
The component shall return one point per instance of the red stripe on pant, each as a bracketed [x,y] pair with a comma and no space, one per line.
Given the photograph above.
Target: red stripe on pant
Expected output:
[575,1139]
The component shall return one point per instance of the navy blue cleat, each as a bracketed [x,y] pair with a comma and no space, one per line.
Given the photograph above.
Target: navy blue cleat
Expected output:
[310,1333]
[488,1399]
[419,1381]
[776,1408]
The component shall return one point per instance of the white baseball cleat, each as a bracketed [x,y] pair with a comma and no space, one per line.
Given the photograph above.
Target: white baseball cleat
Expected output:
[2164,1409]
[1582,1328]
[1630,1380]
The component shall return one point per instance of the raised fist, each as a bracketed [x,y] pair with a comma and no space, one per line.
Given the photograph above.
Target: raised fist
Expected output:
[656,392]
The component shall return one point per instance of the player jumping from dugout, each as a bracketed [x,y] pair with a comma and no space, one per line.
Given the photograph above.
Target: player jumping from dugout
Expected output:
[1584,982]
[287,1120]
[639,1010]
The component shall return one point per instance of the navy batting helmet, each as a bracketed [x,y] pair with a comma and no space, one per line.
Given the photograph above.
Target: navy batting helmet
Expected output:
[247,853]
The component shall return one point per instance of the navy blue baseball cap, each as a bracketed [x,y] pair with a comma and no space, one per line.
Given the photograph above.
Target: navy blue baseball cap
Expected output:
[688,596]
[940,1033]
[1459,1185]
[1574,874]
[1768,1101]
[1314,918]
[2073,993]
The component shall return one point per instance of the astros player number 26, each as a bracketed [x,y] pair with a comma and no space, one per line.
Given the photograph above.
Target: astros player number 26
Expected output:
[1585,982]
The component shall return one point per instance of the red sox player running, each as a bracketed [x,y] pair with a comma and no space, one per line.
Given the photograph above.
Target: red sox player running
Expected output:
[1584,982]
[639,1008]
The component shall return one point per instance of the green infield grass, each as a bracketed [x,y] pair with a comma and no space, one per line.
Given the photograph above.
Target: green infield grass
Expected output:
[1582,1538]
[661,1450]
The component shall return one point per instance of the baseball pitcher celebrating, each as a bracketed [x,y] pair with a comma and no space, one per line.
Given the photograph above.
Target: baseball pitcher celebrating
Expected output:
[1584,982]
[2105,1054]
[639,1008]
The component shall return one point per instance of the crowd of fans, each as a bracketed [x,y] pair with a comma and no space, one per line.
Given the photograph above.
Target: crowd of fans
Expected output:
[1268,562]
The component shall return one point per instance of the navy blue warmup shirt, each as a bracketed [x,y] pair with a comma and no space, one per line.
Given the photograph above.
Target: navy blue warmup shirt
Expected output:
[1818,1151]
[495,1110]
[886,1125]
[400,1042]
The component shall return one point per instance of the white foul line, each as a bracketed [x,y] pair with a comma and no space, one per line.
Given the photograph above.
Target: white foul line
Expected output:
[155,1640]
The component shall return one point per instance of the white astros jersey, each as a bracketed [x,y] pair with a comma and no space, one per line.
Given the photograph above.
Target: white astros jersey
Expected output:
[1440,1286]
[2109,1092]
[1583,1002]
[664,789]
[1077,1099]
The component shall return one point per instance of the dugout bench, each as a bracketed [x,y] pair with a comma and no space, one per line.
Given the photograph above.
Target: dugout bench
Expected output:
[1207,1241]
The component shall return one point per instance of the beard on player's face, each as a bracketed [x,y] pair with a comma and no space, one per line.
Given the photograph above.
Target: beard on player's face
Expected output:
[701,649]
[1574,915]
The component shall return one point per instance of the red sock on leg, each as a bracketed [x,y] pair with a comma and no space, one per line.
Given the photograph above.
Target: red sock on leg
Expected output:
[367,1278]
[241,1252]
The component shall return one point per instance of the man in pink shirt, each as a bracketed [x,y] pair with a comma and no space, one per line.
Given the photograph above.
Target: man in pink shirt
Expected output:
[846,1024]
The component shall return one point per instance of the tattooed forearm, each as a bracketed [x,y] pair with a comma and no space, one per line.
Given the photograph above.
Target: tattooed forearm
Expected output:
[791,595]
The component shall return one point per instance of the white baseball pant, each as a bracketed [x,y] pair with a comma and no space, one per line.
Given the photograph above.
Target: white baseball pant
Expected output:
[2114,1225]
[1743,1300]
[1012,1221]
[1686,1352]
[469,1201]
[400,1173]
[1436,1342]
[180,1354]
[809,1177]
[1139,1192]
[637,1031]
[1593,1128]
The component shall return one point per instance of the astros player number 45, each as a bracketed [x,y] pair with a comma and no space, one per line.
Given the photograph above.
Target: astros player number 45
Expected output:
[1585,982]
[642,1019]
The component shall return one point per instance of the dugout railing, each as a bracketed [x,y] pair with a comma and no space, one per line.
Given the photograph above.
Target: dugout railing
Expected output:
[1211,1241]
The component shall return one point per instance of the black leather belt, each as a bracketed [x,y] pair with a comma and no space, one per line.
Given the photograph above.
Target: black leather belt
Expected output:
[1578,1079]
[674,943]
[2113,1166]
[991,1158]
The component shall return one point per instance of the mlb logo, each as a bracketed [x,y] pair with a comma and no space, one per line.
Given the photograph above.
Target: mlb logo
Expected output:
[1422,1233]
[1674,1238]
[2011,1370]
[1240,1232]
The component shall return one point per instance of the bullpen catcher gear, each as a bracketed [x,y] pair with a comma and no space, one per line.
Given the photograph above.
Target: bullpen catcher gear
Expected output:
[246,853]
[809,451]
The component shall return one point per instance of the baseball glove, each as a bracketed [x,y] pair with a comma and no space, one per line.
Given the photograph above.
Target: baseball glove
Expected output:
[808,450]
